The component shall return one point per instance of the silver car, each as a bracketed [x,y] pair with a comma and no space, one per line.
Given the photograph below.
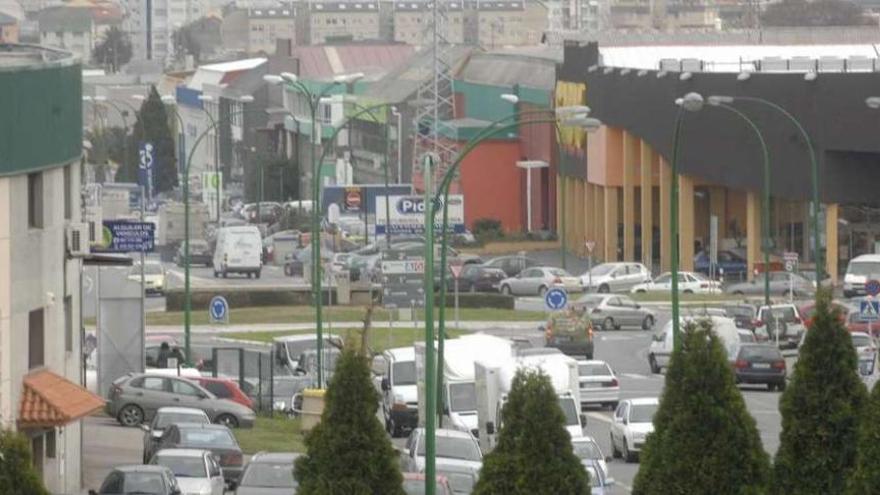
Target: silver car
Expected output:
[168,416]
[196,470]
[613,312]
[268,474]
[538,280]
[135,398]
[781,284]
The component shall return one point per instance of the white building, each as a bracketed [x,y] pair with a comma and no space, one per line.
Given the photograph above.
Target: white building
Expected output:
[166,16]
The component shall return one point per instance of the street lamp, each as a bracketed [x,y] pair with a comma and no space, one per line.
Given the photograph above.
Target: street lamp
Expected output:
[313,99]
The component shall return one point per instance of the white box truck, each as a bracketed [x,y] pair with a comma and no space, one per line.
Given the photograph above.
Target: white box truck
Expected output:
[493,381]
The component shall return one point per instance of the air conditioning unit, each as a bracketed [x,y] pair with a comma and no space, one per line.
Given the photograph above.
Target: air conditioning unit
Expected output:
[77,236]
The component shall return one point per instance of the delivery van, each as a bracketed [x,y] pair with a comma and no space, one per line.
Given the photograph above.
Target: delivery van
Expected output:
[239,250]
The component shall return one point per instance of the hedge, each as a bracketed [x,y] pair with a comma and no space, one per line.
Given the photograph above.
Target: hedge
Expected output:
[480,300]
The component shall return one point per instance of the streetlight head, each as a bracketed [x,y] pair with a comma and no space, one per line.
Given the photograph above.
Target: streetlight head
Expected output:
[326,100]
[89,98]
[138,97]
[510,98]
[743,76]
[168,99]
[588,124]
[573,111]
[246,99]
[208,98]
[394,111]
[87,144]
[692,102]
[685,76]
[348,78]
[810,76]
[718,100]
[873,102]
[289,77]
[99,98]
[273,79]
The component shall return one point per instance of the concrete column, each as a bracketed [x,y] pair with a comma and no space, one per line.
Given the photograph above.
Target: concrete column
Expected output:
[577,244]
[686,222]
[718,207]
[599,221]
[753,231]
[611,220]
[589,221]
[665,215]
[630,158]
[646,192]
[831,213]
[559,206]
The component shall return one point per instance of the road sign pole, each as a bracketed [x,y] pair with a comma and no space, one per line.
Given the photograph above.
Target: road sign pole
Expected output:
[143,282]
[456,304]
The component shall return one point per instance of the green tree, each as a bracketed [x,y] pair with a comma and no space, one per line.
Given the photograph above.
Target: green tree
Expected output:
[817,13]
[349,452]
[108,146]
[534,452]
[114,49]
[866,477]
[704,440]
[17,474]
[152,126]
[820,410]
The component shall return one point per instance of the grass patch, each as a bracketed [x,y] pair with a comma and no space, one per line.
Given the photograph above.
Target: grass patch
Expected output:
[306,314]
[380,338]
[278,434]
[664,296]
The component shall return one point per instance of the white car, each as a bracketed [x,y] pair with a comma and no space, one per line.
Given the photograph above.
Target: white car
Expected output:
[598,384]
[586,449]
[865,346]
[615,277]
[154,276]
[197,472]
[633,421]
[782,319]
[688,283]
[538,280]
[453,448]
[860,270]
[662,342]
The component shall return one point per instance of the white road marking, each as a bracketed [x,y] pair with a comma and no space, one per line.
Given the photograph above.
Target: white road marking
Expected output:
[610,338]
[599,417]
[639,376]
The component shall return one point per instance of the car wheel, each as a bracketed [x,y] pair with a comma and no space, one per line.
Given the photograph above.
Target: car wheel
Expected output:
[225,275]
[688,291]
[542,290]
[648,323]
[652,362]
[505,289]
[258,273]
[613,405]
[627,455]
[738,293]
[780,386]
[641,291]
[130,415]
[614,452]
[216,274]
[604,289]
[608,324]
[227,420]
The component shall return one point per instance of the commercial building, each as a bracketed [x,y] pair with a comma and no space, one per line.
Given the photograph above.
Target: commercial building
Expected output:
[258,30]
[40,241]
[324,21]
[412,22]
[8,28]
[616,183]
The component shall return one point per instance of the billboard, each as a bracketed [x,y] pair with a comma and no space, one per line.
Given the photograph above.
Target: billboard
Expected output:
[407,215]
[355,199]
[127,237]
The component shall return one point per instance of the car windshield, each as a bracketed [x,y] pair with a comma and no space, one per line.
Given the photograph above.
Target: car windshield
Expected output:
[700,277]
[207,438]
[183,467]
[165,419]
[462,397]
[750,352]
[642,413]
[587,450]
[786,314]
[593,369]
[463,449]
[460,483]
[266,475]
[143,483]
[602,269]
[404,373]
[569,410]
[559,272]
[866,268]
[860,340]
[746,336]
[417,487]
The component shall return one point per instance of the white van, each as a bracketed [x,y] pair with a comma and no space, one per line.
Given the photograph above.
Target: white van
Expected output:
[661,343]
[239,250]
[860,270]
[400,401]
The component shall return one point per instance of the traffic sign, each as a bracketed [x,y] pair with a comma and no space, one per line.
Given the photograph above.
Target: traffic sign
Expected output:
[456,270]
[590,245]
[869,310]
[791,261]
[556,299]
[218,310]
[872,287]
[145,167]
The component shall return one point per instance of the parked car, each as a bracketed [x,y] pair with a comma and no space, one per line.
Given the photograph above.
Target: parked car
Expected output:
[631,424]
[781,319]
[511,265]
[196,470]
[291,236]
[781,284]
[855,323]
[598,384]
[269,212]
[135,398]
[860,270]
[461,477]
[866,346]
[200,253]
[743,315]
[400,400]
[414,484]
[730,264]
[480,278]
[571,332]
[760,364]
[139,479]
[452,447]
[538,280]
[688,283]
[588,451]
[599,480]
[225,388]
[216,438]
[268,473]
[615,277]
[613,312]
[154,276]
[746,336]
[167,416]
[662,342]
[806,311]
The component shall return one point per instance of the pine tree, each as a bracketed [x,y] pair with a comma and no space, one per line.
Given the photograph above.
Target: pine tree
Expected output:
[534,452]
[820,410]
[704,440]
[17,474]
[114,49]
[349,452]
[866,477]
[152,126]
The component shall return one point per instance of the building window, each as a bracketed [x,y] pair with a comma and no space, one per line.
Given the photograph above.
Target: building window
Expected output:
[36,342]
[68,193]
[35,200]
[68,323]
[50,444]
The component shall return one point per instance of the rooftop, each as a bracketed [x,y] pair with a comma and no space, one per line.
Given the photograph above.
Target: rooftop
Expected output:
[51,400]
[14,56]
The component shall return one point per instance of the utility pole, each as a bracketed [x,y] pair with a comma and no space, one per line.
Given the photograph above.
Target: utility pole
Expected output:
[430,366]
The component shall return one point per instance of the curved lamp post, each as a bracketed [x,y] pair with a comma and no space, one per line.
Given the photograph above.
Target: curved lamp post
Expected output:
[293,81]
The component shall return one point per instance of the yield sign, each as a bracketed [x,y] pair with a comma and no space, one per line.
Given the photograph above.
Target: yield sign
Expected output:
[590,245]
[456,270]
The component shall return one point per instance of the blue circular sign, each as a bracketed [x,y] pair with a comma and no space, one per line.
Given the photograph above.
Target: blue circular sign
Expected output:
[872,287]
[556,299]
[218,309]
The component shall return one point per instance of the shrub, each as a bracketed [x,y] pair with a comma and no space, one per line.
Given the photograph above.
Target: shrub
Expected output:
[866,477]
[479,300]
[488,229]
[17,475]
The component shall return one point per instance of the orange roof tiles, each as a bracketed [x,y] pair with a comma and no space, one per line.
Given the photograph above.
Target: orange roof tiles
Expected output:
[51,400]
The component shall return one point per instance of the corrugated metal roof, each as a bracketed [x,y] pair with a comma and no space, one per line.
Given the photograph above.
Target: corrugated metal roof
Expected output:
[403,82]
[502,69]
[374,60]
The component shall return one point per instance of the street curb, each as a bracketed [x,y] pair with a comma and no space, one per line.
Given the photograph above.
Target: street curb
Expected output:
[228,340]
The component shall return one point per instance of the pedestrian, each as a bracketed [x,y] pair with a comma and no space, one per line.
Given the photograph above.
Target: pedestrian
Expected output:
[164,354]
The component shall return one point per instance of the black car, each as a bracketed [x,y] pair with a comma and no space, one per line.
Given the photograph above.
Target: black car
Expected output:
[743,315]
[480,278]
[199,254]
[511,265]
[216,438]
[146,480]
[760,364]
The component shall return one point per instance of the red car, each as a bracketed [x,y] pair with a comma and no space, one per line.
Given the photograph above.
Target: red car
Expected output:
[807,311]
[224,388]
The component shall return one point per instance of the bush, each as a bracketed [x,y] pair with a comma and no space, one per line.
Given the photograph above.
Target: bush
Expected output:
[488,229]
[704,440]
[820,410]
[240,297]
[534,452]
[349,452]
[866,477]
[17,475]
[478,300]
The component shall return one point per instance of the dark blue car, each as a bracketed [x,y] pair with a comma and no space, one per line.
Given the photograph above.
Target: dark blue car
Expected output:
[732,264]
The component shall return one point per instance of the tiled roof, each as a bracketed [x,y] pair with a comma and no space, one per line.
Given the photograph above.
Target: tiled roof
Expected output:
[50,400]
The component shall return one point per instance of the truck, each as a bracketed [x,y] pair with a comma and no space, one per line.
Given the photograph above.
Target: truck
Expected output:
[170,228]
[493,381]
[460,410]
